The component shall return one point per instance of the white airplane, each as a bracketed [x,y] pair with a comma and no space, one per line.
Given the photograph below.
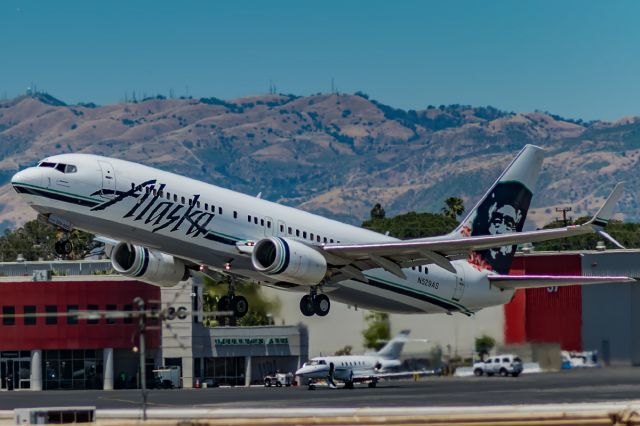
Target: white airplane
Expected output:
[352,369]
[164,225]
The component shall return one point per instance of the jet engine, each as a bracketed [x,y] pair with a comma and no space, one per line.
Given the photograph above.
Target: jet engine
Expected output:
[289,260]
[147,265]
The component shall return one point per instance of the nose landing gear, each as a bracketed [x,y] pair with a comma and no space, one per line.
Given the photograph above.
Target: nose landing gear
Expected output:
[314,303]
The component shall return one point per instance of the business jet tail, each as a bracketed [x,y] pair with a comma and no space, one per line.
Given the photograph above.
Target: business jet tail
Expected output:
[394,347]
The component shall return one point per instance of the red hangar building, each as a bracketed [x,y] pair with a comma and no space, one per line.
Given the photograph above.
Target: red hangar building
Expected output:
[591,317]
[40,349]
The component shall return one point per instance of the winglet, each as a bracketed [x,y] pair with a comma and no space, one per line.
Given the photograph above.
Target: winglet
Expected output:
[602,217]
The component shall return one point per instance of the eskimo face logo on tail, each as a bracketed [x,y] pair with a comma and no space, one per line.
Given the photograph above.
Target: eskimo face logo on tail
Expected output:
[151,208]
[503,211]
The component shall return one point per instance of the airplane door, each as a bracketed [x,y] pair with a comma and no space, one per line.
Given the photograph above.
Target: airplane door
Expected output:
[269,227]
[459,289]
[108,179]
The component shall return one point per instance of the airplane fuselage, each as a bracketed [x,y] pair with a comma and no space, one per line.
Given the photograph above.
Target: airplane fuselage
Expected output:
[206,224]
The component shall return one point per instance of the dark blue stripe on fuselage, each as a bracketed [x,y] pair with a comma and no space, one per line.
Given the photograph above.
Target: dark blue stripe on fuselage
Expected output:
[420,296]
[55,196]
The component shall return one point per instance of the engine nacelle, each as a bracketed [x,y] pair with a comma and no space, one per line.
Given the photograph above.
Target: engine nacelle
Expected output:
[289,260]
[147,265]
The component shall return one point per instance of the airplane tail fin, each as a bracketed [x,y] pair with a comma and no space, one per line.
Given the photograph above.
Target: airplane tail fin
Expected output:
[503,209]
[393,348]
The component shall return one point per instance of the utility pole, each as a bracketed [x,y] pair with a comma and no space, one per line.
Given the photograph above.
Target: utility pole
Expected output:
[142,324]
[564,211]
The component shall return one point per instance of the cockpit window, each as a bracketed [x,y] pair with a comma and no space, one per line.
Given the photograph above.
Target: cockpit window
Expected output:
[61,167]
[46,164]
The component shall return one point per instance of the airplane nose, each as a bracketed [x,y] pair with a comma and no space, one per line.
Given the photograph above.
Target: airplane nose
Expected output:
[30,176]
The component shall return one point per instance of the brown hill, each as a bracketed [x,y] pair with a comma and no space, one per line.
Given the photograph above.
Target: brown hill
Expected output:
[333,154]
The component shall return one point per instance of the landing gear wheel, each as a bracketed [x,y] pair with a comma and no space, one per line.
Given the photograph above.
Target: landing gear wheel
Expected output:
[239,306]
[306,306]
[63,247]
[223,303]
[321,305]
[373,384]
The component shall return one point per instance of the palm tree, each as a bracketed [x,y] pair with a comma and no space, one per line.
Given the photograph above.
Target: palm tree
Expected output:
[454,207]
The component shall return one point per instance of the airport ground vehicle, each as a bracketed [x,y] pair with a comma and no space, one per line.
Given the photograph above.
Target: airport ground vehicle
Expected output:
[278,379]
[166,378]
[503,365]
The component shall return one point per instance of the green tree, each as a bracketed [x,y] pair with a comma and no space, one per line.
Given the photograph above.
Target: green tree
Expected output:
[378,329]
[377,212]
[484,344]
[36,239]
[454,207]
[344,351]
[261,308]
[413,225]
[627,234]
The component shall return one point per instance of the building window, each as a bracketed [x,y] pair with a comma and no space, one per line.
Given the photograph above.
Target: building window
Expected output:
[72,319]
[51,312]
[128,319]
[94,319]
[8,315]
[29,315]
[110,318]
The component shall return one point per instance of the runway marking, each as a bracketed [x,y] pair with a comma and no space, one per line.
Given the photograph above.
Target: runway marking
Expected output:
[138,402]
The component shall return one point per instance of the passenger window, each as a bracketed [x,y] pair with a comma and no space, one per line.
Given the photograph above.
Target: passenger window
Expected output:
[255,220]
[297,232]
[505,359]
[311,237]
[249,218]
[318,238]
[133,185]
[304,235]
[290,231]
[269,224]
[235,214]
[206,206]
[261,222]
[331,240]
[219,210]
[324,239]
[182,199]
[489,361]
[281,228]
[155,192]
[190,201]
[175,198]
[198,204]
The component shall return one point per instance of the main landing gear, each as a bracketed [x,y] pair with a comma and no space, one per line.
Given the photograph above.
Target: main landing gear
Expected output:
[63,246]
[315,303]
[236,304]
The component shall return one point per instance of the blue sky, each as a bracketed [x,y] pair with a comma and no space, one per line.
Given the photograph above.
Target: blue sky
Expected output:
[578,59]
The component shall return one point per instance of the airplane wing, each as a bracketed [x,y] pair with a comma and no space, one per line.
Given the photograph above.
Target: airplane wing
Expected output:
[537,281]
[395,255]
[396,375]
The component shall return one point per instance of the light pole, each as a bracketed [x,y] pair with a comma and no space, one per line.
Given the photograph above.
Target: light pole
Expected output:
[141,350]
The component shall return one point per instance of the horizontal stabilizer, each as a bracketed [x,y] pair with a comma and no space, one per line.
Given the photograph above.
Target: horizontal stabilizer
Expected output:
[537,281]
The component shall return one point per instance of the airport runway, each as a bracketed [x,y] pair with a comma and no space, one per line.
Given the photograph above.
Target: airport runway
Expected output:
[588,385]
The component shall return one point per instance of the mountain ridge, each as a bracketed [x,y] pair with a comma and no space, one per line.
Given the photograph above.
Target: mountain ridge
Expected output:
[333,154]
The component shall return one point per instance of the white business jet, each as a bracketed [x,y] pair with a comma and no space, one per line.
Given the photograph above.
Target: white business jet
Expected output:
[164,225]
[350,369]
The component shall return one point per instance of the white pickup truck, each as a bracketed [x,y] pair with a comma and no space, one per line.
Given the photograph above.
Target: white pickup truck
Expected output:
[503,365]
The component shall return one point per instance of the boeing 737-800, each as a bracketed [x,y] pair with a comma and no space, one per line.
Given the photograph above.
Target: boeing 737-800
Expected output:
[164,225]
